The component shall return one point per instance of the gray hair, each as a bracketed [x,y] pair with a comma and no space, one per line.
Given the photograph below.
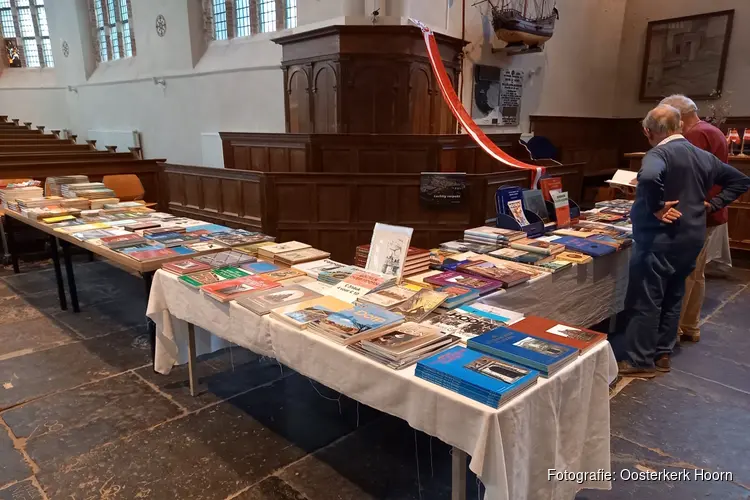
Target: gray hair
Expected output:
[685,105]
[663,120]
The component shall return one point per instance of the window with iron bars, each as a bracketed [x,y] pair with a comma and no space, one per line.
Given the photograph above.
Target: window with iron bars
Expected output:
[24,28]
[112,29]
[239,18]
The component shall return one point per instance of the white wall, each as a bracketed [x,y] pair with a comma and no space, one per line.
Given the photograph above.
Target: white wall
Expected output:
[637,16]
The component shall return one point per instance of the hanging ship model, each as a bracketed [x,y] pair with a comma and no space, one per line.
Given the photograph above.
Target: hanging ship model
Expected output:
[524,22]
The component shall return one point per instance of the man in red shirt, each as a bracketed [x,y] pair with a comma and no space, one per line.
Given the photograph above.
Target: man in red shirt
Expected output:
[711,139]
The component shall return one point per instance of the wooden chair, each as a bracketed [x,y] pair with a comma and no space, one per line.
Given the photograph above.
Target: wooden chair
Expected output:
[127,187]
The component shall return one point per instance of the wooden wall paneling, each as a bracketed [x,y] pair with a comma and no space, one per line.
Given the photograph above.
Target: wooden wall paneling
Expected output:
[375,98]
[325,98]
[298,99]
[240,155]
[420,99]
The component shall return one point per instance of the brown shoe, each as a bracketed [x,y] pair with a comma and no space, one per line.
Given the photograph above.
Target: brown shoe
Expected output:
[690,337]
[663,363]
[625,369]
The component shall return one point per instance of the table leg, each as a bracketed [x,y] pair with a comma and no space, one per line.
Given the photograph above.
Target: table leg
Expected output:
[58,273]
[71,277]
[12,243]
[148,279]
[191,360]
[458,491]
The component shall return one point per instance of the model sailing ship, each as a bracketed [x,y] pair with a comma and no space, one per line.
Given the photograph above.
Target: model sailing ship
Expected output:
[524,22]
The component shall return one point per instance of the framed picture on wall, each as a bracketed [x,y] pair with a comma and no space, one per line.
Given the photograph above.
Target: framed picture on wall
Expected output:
[686,55]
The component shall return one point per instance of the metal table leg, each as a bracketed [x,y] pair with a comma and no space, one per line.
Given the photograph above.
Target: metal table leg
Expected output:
[191,360]
[71,277]
[6,253]
[458,490]
[12,243]
[58,273]
[148,279]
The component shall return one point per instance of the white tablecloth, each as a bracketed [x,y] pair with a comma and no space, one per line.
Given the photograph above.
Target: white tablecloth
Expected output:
[561,423]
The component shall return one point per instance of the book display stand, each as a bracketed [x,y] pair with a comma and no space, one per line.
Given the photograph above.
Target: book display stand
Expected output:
[534,229]
[575,210]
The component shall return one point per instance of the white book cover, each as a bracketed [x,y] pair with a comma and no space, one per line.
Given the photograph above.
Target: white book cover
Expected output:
[315,267]
[627,178]
[388,249]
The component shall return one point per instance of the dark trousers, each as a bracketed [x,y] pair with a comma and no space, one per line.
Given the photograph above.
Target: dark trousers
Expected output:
[652,304]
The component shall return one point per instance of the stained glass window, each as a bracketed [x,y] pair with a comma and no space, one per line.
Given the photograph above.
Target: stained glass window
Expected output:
[24,27]
[114,35]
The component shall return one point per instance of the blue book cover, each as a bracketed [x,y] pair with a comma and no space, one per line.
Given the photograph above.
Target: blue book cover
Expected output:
[512,204]
[260,267]
[361,318]
[491,312]
[523,349]
[211,228]
[452,264]
[457,295]
[141,248]
[183,250]
[585,246]
[478,370]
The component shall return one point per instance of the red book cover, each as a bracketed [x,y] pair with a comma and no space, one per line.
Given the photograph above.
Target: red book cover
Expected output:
[481,284]
[550,184]
[116,240]
[547,329]
[148,255]
[224,291]
[186,267]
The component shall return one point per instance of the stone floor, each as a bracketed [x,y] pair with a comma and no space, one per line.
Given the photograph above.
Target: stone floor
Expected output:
[83,415]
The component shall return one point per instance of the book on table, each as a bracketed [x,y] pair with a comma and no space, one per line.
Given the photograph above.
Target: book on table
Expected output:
[537,246]
[271,251]
[262,302]
[283,274]
[152,255]
[479,283]
[356,285]
[581,339]
[122,241]
[522,256]
[315,286]
[562,209]
[505,316]
[201,278]
[476,375]
[206,246]
[492,235]
[574,257]
[550,185]
[460,246]
[238,237]
[203,226]
[259,267]
[419,279]
[388,297]
[483,268]
[536,272]
[231,289]
[389,248]
[462,324]
[545,356]
[314,268]
[512,204]
[556,265]
[404,345]
[253,248]
[457,296]
[361,322]
[585,246]
[334,276]
[224,259]
[301,315]
[300,256]
[420,305]
[188,266]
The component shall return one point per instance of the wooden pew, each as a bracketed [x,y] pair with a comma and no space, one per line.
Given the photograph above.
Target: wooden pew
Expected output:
[34,141]
[71,156]
[43,148]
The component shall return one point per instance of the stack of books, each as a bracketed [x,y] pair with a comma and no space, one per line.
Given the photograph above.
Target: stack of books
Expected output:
[123,241]
[404,345]
[481,377]
[334,276]
[88,190]
[202,278]
[522,256]
[301,256]
[492,235]
[224,259]
[53,185]
[459,246]
[8,196]
[184,267]
[231,289]
[314,268]
[467,322]
[417,259]
[270,252]
[361,322]
[540,246]
[77,203]
[264,301]
[253,248]
[303,314]
[103,202]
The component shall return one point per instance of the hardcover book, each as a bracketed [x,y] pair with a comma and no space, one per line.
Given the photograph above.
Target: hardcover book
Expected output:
[314,268]
[304,313]
[457,295]
[592,248]
[542,355]
[575,257]
[536,272]
[197,280]
[205,246]
[357,323]
[549,186]
[239,237]
[151,255]
[547,329]
[231,289]
[562,209]
[388,297]
[389,248]
[511,199]
[259,267]
[515,255]
[300,256]
[122,241]
[484,378]
[356,285]
[537,246]
[271,251]
[264,301]
[480,284]
[505,316]
[556,265]
[534,201]
[460,246]
[463,325]
[185,267]
[283,274]
[498,273]
[419,305]
[225,259]
[402,340]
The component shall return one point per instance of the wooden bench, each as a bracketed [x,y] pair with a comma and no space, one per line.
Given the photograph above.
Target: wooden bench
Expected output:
[53,147]
[73,156]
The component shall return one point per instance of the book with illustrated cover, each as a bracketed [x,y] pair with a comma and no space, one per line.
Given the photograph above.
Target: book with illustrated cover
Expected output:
[534,201]
[197,280]
[479,283]
[315,286]
[511,199]
[547,329]
[230,289]
[357,323]
[419,279]
[389,249]
[253,248]
[173,239]
[460,246]
[493,271]
[60,218]
[538,354]
[332,277]
[492,235]
[550,185]
[476,375]
[300,256]
[304,313]
[535,271]
[463,325]
[522,256]
[575,257]
[424,350]
[562,209]
[79,228]
[259,267]
[420,305]
[283,274]
[457,295]
[356,285]
[142,225]
[556,265]
[182,267]
[183,250]
[388,297]
[205,246]
[495,313]
[585,246]
[202,226]
[151,255]
[122,240]
[271,251]
[606,239]
[237,237]
[227,258]
[402,340]
[263,302]
[316,267]
[537,246]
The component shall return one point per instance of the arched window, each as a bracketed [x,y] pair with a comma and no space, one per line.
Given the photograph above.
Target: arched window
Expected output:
[24,27]
[111,29]
[238,18]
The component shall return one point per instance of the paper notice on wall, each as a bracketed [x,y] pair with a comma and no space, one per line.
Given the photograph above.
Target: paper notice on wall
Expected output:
[511,92]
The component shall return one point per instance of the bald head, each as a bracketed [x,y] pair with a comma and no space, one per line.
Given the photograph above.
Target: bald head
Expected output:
[661,122]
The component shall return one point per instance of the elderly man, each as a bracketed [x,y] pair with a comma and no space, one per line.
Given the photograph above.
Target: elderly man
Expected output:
[711,139]
[669,228]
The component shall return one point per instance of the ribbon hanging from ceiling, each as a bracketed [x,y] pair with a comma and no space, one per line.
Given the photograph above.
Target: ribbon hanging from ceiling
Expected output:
[451,99]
